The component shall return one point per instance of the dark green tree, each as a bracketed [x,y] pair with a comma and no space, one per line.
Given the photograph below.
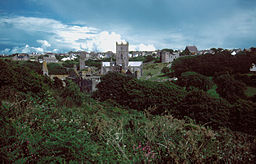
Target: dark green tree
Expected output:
[229,88]
[149,58]
[193,79]
[165,70]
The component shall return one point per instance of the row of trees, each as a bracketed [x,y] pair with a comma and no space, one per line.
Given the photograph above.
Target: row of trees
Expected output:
[210,64]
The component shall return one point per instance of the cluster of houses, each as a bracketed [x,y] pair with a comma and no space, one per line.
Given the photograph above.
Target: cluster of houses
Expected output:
[87,80]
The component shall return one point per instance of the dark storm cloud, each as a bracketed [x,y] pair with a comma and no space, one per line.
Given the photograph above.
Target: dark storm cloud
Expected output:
[163,23]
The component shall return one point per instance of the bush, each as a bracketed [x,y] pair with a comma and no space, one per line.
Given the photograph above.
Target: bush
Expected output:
[204,109]
[16,78]
[243,116]
[56,69]
[193,79]
[148,58]
[165,70]
[229,88]
[69,64]
[248,80]
[101,133]
[71,95]
[210,64]
[138,94]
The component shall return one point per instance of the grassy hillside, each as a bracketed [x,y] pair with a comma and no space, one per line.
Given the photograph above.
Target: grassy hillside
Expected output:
[152,71]
[250,91]
[101,132]
[62,125]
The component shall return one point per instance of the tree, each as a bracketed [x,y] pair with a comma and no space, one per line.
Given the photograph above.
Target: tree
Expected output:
[165,70]
[229,88]
[150,74]
[193,79]
[210,64]
[71,94]
[138,94]
[149,58]
[57,83]
[56,69]
[167,50]
[198,105]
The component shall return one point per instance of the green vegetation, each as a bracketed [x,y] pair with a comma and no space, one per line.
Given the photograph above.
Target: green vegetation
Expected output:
[212,64]
[137,94]
[139,58]
[56,69]
[165,70]
[250,91]
[70,64]
[212,92]
[93,63]
[145,59]
[167,50]
[44,122]
[99,132]
[31,65]
[193,79]
[155,70]
[169,98]
[229,88]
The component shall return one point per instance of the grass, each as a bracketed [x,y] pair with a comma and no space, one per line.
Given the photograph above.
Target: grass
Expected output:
[250,91]
[212,92]
[103,133]
[250,74]
[152,71]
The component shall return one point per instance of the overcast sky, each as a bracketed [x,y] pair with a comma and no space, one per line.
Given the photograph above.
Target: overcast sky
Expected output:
[95,25]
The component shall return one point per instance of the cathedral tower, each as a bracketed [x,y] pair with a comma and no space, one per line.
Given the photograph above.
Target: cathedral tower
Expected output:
[122,58]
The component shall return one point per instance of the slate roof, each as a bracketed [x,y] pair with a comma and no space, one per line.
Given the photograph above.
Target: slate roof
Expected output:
[192,48]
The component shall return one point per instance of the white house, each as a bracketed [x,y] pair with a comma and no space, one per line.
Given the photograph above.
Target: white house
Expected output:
[253,67]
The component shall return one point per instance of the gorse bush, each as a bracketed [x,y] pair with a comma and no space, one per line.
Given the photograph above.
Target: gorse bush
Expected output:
[229,88]
[62,125]
[71,95]
[98,132]
[210,64]
[137,94]
[19,79]
[204,109]
[193,79]
[56,69]
[169,98]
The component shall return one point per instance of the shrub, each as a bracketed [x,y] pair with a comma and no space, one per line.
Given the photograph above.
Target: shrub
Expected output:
[204,109]
[165,70]
[148,58]
[210,64]
[56,69]
[16,78]
[229,88]
[71,95]
[193,79]
[138,94]
[243,116]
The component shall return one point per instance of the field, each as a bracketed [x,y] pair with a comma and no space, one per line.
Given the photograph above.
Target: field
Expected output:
[152,71]
[250,91]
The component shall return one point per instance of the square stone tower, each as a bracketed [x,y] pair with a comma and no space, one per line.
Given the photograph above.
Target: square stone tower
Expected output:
[122,58]
[82,61]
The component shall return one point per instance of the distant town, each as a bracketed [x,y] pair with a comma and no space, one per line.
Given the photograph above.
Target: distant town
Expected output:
[86,68]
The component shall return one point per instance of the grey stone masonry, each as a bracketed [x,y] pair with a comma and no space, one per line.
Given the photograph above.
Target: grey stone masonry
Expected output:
[122,58]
